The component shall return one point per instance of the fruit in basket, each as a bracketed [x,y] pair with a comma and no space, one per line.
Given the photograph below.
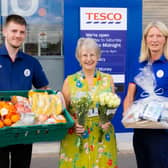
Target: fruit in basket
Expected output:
[21,103]
[59,118]
[4,111]
[16,99]
[56,104]
[1,124]
[50,121]
[10,118]
[7,122]
[44,103]
[8,114]
[53,119]
[42,118]
[47,107]
[38,101]
[15,118]
[28,118]
[19,107]
[59,107]
[6,108]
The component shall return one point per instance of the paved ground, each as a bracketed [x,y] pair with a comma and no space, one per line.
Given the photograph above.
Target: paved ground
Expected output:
[126,160]
[45,155]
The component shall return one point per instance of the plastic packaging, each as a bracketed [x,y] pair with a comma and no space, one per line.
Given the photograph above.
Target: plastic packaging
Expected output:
[152,110]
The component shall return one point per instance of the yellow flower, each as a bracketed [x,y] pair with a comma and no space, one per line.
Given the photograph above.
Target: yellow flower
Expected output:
[107,100]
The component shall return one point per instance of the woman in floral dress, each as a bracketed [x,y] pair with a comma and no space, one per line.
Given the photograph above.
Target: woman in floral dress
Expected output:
[90,152]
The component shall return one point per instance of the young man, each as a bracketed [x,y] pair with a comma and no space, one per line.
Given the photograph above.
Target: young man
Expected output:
[18,71]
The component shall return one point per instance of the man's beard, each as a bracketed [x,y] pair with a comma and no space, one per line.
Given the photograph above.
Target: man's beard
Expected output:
[14,46]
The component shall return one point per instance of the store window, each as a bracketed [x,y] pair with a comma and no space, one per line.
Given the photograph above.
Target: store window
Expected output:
[45,24]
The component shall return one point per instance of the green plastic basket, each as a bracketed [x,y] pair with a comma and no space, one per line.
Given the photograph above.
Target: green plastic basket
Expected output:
[33,133]
[6,95]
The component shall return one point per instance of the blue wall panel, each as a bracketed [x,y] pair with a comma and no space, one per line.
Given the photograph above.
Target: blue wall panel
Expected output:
[72,33]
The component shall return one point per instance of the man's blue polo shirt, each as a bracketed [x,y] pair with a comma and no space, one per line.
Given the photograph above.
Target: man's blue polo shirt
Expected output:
[160,70]
[21,74]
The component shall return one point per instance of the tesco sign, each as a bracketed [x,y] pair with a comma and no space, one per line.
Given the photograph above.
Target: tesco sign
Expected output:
[103,18]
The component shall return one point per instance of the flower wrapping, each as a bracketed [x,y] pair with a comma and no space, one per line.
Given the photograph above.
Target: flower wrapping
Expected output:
[152,110]
[107,106]
[81,104]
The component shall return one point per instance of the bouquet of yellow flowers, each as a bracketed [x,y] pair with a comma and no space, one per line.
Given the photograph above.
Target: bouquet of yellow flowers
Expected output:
[108,103]
[82,105]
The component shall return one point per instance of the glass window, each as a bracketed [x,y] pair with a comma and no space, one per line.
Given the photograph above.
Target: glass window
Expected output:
[45,24]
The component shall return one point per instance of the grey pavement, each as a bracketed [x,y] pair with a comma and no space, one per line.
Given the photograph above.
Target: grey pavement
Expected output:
[45,155]
[124,143]
[125,160]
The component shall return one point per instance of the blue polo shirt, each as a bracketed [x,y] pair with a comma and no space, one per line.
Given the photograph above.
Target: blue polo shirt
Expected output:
[21,74]
[160,70]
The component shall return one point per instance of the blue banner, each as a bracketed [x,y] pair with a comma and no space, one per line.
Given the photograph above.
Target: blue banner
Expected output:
[112,24]
[108,27]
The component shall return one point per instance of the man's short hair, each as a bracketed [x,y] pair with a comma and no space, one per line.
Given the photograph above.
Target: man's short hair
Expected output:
[16,19]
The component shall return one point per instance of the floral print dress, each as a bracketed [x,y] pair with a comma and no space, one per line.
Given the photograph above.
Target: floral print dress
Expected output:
[94,154]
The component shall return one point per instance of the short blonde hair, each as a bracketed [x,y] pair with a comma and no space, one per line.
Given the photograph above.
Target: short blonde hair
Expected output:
[145,53]
[88,43]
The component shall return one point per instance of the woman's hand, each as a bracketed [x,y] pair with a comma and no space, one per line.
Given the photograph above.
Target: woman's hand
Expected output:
[79,129]
[129,98]
[105,126]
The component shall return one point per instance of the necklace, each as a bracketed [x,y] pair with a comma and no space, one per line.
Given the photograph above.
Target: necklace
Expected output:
[93,83]
[82,82]
[84,77]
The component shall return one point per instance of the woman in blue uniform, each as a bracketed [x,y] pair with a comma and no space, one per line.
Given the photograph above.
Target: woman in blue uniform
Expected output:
[151,145]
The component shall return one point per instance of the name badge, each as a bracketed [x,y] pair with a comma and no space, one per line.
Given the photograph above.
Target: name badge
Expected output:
[93,112]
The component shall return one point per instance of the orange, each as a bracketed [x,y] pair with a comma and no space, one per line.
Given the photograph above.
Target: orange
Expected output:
[60,119]
[1,124]
[15,118]
[8,115]
[7,122]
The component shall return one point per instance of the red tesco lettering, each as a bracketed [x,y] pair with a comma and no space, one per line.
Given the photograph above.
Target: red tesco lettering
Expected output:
[103,16]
